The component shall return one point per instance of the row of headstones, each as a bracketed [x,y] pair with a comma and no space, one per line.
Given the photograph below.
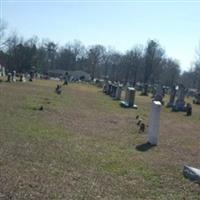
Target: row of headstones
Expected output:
[11,77]
[115,90]
[177,103]
[177,98]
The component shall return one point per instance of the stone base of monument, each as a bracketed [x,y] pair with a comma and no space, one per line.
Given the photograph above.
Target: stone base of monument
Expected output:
[179,106]
[191,173]
[125,104]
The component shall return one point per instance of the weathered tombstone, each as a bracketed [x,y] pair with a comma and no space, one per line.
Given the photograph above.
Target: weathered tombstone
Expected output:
[129,98]
[172,97]
[109,89]
[31,76]
[0,70]
[118,92]
[180,102]
[3,71]
[114,89]
[154,123]
[22,78]
[66,79]
[159,94]
[14,76]
[105,87]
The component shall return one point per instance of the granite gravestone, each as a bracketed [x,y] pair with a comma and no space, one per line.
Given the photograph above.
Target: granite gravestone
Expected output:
[129,98]
[172,97]
[114,90]
[118,92]
[180,102]
[159,94]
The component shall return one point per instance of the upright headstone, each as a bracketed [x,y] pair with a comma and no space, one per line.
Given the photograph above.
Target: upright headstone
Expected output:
[114,89]
[22,78]
[129,98]
[31,75]
[109,89]
[3,71]
[118,92]
[172,97]
[154,123]
[105,86]
[180,102]
[14,76]
[159,93]
[66,79]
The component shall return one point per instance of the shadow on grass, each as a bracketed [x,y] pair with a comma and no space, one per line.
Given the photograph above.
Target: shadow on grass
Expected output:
[144,147]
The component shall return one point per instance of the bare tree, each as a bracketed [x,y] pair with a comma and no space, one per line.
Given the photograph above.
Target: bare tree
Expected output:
[95,57]
[3,40]
[153,62]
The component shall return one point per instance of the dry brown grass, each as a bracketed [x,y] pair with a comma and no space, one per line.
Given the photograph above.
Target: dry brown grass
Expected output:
[85,146]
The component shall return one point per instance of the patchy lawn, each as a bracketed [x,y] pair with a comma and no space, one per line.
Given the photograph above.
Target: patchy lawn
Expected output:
[85,146]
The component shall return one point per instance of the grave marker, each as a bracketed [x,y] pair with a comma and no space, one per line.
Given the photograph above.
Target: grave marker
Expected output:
[172,97]
[180,102]
[118,92]
[154,123]
[129,98]
[159,94]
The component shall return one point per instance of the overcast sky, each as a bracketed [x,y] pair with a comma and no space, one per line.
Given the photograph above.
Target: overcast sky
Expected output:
[118,24]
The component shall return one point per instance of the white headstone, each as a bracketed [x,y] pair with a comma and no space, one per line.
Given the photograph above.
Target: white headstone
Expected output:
[154,123]
[23,78]
[3,71]
[14,76]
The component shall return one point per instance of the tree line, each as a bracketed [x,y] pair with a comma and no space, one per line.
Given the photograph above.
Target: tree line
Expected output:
[148,65]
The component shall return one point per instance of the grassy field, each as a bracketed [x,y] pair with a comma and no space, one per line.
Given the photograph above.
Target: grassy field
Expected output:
[85,146]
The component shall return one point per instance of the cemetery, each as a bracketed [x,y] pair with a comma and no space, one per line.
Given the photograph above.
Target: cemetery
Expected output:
[52,145]
[99,100]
